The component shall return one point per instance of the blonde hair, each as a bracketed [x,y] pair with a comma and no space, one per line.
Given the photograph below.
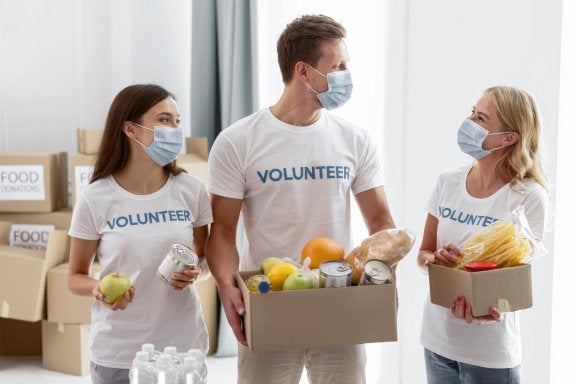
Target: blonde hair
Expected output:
[518,113]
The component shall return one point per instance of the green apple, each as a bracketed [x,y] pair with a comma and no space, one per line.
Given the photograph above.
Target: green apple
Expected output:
[268,262]
[113,286]
[297,280]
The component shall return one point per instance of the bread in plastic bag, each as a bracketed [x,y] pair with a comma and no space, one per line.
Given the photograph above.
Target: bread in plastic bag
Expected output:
[388,245]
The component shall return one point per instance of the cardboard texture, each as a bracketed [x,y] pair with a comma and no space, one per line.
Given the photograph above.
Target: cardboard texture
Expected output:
[508,289]
[317,318]
[88,140]
[195,161]
[209,300]
[65,348]
[26,301]
[60,218]
[20,338]
[81,167]
[33,182]
[63,305]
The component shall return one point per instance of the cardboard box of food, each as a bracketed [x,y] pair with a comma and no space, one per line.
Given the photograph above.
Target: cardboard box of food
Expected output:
[65,348]
[508,289]
[317,318]
[81,167]
[88,140]
[195,160]
[209,299]
[23,275]
[63,305]
[60,219]
[33,182]
[20,338]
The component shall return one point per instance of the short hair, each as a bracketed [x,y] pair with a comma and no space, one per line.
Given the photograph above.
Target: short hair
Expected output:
[302,40]
[518,112]
[130,104]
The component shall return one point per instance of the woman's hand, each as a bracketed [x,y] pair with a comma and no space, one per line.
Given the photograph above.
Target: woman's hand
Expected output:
[181,280]
[120,303]
[463,310]
[447,254]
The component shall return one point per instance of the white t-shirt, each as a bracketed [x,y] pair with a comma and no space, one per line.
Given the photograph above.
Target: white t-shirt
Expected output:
[135,233]
[460,216]
[295,182]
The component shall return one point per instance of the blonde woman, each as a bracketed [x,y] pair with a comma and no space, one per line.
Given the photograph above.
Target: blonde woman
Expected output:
[502,135]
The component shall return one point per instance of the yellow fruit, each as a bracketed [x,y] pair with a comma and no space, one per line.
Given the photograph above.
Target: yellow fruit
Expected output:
[321,249]
[278,273]
[268,262]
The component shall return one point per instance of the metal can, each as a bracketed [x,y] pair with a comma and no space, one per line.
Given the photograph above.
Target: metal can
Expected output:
[178,258]
[335,274]
[376,272]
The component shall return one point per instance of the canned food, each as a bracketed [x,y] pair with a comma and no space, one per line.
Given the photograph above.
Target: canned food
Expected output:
[335,274]
[178,258]
[376,272]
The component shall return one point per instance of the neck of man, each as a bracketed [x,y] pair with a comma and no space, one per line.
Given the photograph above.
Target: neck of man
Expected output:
[297,106]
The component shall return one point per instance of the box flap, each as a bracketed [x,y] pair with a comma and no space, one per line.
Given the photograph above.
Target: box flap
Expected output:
[197,146]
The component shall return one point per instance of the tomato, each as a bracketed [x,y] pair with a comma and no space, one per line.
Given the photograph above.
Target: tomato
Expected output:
[481,265]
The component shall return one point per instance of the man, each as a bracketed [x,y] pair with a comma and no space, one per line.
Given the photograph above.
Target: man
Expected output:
[290,170]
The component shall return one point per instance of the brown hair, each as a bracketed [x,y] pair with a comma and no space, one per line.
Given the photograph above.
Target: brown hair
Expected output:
[518,112]
[129,105]
[302,40]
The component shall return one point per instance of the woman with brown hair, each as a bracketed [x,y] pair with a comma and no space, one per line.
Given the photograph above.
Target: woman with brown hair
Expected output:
[137,205]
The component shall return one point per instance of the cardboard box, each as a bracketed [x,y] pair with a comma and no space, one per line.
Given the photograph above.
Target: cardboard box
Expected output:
[33,182]
[63,305]
[316,318]
[20,338]
[195,161]
[23,276]
[209,300]
[88,140]
[508,289]
[65,348]
[60,218]
[81,167]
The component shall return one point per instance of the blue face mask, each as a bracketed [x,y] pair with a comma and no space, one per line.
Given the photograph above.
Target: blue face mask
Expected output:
[471,136]
[166,146]
[339,89]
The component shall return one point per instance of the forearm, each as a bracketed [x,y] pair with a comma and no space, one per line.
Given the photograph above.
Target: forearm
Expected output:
[222,257]
[81,284]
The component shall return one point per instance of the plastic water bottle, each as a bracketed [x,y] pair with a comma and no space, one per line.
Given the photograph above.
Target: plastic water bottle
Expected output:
[173,352]
[141,370]
[200,358]
[164,370]
[152,353]
[191,372]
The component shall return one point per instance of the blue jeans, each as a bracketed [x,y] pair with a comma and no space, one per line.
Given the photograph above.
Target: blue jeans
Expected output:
[441,370]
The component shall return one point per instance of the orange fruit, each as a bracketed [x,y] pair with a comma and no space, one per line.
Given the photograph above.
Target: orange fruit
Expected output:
[278,273]
[321,249]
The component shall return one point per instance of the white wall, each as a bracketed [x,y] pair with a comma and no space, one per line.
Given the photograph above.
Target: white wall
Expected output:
[63,61]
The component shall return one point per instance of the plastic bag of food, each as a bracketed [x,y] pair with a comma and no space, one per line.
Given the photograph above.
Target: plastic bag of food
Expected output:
[389,245]
[506,242]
